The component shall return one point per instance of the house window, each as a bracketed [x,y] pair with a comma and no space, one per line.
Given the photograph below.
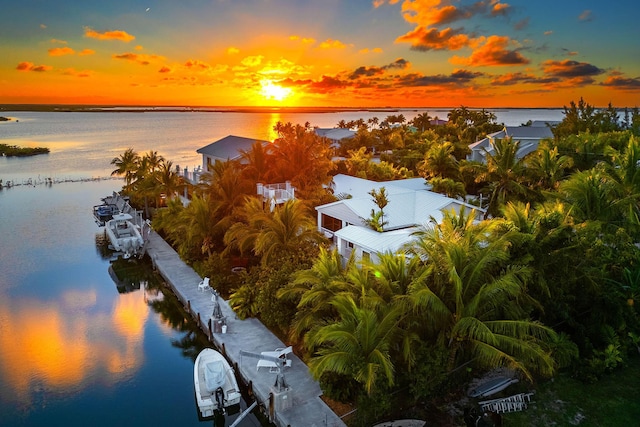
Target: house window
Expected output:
[350,245]
[366,256]
[331,223]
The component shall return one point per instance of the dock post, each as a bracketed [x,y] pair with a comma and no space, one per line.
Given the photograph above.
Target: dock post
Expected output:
[271,408]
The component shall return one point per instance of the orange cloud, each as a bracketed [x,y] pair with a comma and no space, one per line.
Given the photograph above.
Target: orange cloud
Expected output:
[60,51]
[494,51]
[58,41]
[423,39]
[304,40]
[510,79]
[164,70]
[85,52]
[108,35]
[252,61]
[617,80]
[500,9]
[332,44]
[141,59]
[378,3]
[367,50]
[232,50]
[196,64]
[571,73]
[29,66]
[570,69]
[73,72]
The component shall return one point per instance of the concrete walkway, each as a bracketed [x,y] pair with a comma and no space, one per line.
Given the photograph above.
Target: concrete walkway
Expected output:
[300,404]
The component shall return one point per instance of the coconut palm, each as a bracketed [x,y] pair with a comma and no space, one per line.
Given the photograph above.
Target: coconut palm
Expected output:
[469,296]
[546,168]
[126,165]
[256,163]
[504,172]
[593,196]
[359,344]
[167,181]
[286,231]
[440,162]
[314,289]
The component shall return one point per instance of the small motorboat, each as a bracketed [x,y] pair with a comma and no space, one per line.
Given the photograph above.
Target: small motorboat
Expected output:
[104,212]
[215,383]
[492,386]
[124,236]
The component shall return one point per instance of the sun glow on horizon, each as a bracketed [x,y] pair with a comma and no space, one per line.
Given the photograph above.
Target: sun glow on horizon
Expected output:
[271,91]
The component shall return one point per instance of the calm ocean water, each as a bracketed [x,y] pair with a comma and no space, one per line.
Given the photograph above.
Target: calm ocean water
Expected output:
[83,144]
[84,341]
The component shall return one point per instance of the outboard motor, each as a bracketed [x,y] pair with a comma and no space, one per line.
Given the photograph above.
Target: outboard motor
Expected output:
[220,398]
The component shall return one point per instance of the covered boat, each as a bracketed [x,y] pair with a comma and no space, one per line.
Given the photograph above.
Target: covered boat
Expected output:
[124,236]
[492,386]
[215,384]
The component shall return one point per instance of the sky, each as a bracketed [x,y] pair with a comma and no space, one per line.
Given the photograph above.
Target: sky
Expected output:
[320,53]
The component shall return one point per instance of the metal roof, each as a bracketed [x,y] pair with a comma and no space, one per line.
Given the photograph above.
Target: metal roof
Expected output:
[335,134]
[228,148]
[406,207]
[374,242]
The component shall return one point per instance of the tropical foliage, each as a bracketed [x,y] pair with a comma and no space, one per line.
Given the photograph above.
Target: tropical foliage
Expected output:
[547,281]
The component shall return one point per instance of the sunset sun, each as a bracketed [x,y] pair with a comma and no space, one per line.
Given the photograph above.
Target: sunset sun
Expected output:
[271,91]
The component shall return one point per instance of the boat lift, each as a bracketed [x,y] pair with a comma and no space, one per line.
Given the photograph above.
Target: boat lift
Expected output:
[280,362]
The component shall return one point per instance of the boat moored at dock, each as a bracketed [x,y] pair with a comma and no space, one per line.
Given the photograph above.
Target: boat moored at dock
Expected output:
[125,237]
[215,383]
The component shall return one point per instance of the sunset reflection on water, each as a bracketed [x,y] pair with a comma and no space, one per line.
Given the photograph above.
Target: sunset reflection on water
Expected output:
[46,347]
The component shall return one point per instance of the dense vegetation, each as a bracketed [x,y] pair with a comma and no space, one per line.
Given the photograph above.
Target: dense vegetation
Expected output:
[15,151]
[548,281]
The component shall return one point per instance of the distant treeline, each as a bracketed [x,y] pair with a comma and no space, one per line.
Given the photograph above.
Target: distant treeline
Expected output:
[14,150]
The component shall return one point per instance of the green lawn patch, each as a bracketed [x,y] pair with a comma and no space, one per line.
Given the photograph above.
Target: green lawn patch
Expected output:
[613,401]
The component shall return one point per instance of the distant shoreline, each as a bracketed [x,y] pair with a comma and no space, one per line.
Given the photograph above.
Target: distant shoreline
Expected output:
[64,108]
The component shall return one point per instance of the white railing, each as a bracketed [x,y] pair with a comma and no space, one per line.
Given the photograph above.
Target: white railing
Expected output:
[278,192]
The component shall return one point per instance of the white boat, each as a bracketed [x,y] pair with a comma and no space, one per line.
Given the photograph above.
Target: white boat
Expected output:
[214,382]
[124,236]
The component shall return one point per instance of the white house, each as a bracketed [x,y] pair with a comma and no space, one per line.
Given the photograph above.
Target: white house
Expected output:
[410,206]
[529,137]
[227,148]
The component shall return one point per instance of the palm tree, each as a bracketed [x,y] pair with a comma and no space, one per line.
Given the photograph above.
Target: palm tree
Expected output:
[593,195]
[546,168]
[440,162]
[242,235]
[301,157]
[314,289]
[126,164]
[168,182]
[359,344]
[256,163]
[468,295]
[504,172]
[286,231]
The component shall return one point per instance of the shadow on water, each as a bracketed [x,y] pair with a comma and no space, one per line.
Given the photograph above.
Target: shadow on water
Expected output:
[133,275]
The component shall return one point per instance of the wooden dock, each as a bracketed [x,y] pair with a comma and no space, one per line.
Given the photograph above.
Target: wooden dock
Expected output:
[296,404]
